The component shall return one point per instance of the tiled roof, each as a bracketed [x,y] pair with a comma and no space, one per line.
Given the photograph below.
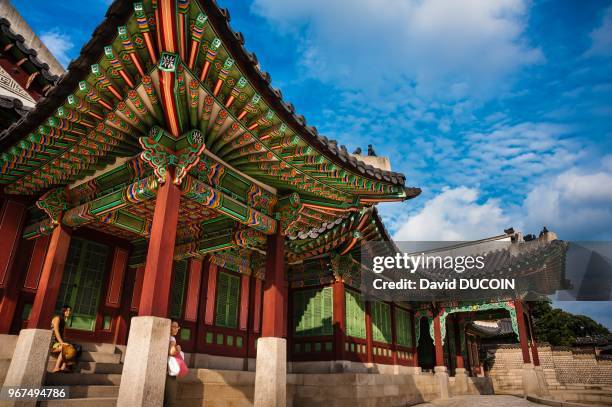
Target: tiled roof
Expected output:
[118,13]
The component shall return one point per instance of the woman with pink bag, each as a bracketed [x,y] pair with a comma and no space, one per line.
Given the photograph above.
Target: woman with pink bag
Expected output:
[176,365]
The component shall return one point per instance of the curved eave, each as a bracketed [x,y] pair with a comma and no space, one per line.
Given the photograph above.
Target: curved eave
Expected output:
[117,14]
[121,11]
[29,53]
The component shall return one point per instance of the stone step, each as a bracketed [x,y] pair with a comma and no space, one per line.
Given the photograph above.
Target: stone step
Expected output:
[74,379]
[98,347]
[89,402]
[102,357]
[92,367]
[95,391]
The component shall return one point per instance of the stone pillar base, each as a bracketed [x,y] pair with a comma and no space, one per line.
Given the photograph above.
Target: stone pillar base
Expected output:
[530,380]
[441,374]
[29,362]
[542,384]
[461,381]
[271,372]
[146,360]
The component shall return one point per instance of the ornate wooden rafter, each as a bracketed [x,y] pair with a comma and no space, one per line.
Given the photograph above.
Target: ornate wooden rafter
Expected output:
[171,66]
[172,89]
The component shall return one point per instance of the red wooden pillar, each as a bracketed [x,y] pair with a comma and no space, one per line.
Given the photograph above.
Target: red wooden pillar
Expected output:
[137,292]
[534,345]
[193,290]
[339,322]
[202,304]
[11,224]
[211,290]
[393,335]
[438,340]
[158,269]
[415,345]
[273,321]
[369,345]
[457,325]
[257,300]
[50,278]
[522,331]
[244,303]
[123,318]
[12,218]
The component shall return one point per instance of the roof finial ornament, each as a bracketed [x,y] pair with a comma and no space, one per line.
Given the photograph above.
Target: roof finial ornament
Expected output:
[357,151]
[371,151]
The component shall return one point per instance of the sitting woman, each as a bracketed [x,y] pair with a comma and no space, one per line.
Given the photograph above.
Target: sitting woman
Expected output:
[58,325]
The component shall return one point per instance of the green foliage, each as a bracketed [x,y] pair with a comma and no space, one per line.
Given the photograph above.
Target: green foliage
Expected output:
[560,328]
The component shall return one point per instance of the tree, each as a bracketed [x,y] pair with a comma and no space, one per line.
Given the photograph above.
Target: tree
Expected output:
[560,328]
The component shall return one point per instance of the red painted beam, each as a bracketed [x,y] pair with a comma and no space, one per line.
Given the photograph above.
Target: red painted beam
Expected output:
[244,303]
[457,326]
[274,322]
[11,224]
[37,260]
[50,279]
[158,269]
[193,290]
[115,285]
[257,306]
[522,331]
[137,292]
[211,292]
[369,345]
[339,322]
[415,352]
[438,340]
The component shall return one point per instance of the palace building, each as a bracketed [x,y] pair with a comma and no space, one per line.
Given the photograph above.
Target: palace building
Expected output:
[162,177]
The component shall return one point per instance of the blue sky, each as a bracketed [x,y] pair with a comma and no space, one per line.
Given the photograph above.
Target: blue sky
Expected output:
[499,110]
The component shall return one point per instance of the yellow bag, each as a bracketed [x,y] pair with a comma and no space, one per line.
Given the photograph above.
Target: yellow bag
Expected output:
[69,352]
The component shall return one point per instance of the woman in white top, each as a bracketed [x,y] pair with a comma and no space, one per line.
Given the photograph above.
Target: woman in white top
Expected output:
[173,349]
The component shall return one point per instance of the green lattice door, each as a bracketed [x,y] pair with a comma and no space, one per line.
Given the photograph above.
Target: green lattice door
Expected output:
[81,285]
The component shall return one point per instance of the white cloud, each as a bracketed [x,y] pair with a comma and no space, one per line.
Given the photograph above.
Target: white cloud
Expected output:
[447,49]
[454,214]
[59,44]
[601,37]
[575,204]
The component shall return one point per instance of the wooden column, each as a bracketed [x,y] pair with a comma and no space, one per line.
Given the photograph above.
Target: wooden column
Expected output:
[339,322]
[244,303]
[369,345]
[11,224]
[123,317]
[158,269]
[137,292]
[522,331]
[534,346]
[193,290]
[393,335]
[12,218]
[211,291]
[457,326]
[438,340]
[50,279]
[415,345]
[200,328]
[273,321]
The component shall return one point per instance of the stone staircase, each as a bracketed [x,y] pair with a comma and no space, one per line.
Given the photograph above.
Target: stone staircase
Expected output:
[95,381]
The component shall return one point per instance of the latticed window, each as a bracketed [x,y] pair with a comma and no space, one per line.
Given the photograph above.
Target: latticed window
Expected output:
[381,322]
[355,315]
[177,293]
[82,282]
[228,293]
[403,328]
[313,312]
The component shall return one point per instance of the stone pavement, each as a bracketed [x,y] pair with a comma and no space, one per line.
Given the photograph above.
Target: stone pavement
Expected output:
[481,401]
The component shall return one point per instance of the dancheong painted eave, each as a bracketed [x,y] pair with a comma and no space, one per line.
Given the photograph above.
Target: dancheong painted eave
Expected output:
[110,98]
